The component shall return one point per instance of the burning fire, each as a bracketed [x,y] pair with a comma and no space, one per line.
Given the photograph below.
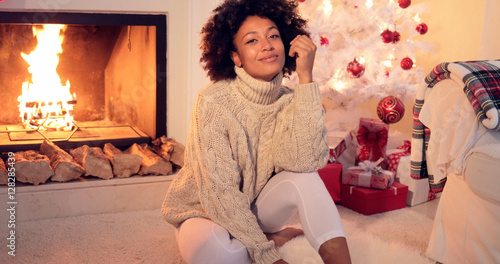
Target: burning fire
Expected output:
[45,103]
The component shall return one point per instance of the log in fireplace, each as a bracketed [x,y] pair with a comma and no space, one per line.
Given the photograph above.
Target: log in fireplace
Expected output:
[114,66]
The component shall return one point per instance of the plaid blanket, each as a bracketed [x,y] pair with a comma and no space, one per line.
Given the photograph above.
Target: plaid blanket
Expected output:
[481,81]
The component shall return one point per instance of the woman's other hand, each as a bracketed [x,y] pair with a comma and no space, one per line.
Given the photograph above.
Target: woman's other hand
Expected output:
[304,50]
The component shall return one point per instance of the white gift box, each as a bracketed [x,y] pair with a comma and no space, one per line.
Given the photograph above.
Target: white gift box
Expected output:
[418,190]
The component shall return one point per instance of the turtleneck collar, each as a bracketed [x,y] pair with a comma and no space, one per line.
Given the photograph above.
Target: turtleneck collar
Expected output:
[256,91]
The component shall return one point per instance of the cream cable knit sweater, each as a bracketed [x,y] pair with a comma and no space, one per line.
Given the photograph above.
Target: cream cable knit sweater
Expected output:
[241,131]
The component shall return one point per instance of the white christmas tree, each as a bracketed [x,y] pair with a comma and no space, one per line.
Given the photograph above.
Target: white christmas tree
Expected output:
[366,48]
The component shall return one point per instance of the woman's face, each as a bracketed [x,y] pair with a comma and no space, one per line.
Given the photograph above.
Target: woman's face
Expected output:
[259,48]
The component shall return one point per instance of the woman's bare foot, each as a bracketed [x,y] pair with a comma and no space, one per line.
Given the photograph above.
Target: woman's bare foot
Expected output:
[284,235]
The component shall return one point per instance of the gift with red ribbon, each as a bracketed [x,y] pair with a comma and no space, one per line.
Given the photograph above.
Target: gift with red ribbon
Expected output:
[395,155]
[372,138]
[368,174]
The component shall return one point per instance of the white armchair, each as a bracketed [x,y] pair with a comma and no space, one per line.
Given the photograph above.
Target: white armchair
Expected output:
[467,154]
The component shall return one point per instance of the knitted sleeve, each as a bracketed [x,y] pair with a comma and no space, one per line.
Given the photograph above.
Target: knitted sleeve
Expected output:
[300,143]
[219,180]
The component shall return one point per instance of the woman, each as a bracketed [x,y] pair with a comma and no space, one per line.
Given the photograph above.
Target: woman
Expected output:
[254,146]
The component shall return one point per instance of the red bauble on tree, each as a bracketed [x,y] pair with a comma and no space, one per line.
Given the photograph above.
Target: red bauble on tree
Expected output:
[404,3]
[390,109]
[406,64]
[323,40]
[397,37]
[355,69]
[387,36]
[422,28]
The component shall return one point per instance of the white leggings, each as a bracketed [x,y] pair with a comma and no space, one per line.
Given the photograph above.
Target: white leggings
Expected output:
[203,241]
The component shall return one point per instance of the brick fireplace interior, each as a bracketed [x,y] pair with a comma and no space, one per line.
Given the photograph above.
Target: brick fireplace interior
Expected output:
[116,64]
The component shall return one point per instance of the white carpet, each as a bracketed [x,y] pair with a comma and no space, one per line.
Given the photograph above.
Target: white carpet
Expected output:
[398,236]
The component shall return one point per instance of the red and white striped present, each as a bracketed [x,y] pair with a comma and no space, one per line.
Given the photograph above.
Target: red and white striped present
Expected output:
[395,155]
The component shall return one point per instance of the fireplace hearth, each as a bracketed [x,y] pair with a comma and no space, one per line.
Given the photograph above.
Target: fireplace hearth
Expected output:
[116,64]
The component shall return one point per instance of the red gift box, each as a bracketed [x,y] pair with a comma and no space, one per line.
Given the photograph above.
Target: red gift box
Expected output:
[330,175]
[372,138]
[372,201]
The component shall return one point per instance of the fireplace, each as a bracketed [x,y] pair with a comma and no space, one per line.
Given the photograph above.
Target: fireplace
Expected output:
[114,66]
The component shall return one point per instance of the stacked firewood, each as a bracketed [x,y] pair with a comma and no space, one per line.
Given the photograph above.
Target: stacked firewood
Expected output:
[51,162]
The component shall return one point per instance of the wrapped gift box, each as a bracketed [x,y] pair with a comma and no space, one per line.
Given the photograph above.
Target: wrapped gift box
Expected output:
[418,189]
[368,174]
[395,155]
[338,141]
[372,138]
[330,175]
[371,201]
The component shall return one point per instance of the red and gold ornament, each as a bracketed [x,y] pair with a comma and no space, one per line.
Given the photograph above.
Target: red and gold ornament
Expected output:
[422,28]
[404,3]
[390,109]
[387,36]
[406,64]
[355,69]
[324,40]
[397,37]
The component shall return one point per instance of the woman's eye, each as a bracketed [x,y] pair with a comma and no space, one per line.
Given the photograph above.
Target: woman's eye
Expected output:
[275,36]
[251,41]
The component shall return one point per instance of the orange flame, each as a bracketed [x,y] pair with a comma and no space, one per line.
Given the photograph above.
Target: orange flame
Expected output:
[44,100]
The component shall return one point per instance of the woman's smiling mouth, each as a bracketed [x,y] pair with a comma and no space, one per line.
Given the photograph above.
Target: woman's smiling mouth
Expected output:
[272,58]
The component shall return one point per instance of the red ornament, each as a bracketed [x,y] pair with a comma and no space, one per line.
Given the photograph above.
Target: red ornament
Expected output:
[302,1]
[397,37]
[324,40]
[422,28]
[404,3]
[406,64]
[390,109]
[386,74]
[355,69]
[387,36]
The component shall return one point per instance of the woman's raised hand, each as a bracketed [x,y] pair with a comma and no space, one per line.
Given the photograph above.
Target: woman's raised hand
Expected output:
[304,50]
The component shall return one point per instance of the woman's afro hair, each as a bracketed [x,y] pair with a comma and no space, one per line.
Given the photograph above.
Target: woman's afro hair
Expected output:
[218,32]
